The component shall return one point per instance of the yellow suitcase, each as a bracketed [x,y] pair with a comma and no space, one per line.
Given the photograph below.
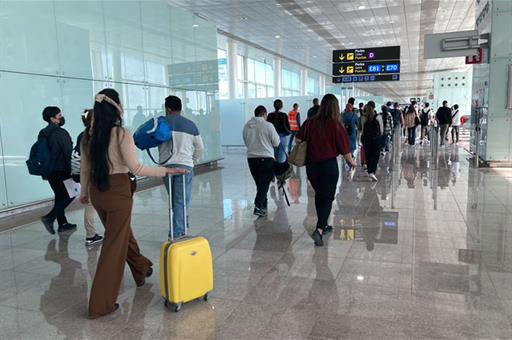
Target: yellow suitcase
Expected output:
[186,266]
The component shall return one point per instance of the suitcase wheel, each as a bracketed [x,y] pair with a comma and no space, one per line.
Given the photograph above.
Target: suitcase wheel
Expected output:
[177,307]
[166,303]
[205,297]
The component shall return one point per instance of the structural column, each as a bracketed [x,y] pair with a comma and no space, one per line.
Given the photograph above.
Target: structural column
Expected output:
[277,77]
[304,89]
[232,65]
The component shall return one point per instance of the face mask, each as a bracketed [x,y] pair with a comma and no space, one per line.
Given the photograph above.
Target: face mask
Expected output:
[62,121]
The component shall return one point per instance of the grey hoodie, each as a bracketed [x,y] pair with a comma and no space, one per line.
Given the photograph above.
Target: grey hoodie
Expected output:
[260,137]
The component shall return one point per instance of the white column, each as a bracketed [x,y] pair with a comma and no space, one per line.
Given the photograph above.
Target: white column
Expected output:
[304,81]
[232,65]
[321,83]
[277,77]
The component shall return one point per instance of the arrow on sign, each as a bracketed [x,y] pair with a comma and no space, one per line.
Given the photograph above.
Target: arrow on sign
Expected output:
[342,70]
[342,57]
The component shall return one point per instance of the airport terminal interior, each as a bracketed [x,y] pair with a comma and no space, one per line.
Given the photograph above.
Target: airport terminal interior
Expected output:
[418,248]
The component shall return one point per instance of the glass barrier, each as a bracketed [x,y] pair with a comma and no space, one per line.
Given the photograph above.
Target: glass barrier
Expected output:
[63,52]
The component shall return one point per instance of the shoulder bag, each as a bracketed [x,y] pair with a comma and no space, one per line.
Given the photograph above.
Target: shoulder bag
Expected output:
[298,154]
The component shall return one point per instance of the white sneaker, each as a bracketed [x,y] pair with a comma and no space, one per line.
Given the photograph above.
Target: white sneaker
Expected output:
[373,177]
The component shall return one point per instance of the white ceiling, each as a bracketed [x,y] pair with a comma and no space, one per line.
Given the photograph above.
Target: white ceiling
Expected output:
[310,29]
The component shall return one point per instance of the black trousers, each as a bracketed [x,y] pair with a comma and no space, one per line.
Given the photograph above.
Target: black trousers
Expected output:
[411,135]
[372,153]
[62,199]
[262,170]
[323,177]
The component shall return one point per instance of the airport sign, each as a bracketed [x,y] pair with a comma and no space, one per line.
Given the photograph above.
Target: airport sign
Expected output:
[368,78]
[366,54]
[362,68]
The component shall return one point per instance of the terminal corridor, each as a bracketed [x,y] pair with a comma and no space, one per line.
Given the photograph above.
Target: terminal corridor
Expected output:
[422,253]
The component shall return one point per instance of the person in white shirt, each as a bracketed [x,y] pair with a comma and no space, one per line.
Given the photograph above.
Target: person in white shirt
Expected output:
[455,124]
[261,138]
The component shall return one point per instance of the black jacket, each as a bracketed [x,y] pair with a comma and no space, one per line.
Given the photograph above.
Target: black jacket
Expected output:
[313,111]
[444,115]
[61,146]
[280,122]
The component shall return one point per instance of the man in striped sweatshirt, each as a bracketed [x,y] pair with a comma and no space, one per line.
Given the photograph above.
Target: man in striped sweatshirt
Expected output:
[183,151]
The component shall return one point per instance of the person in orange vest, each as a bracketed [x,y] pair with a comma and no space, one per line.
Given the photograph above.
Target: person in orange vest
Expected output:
[294,120]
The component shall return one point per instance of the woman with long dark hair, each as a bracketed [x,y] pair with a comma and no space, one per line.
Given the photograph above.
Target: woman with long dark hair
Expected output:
[108,154]
[326,139]
[371,139]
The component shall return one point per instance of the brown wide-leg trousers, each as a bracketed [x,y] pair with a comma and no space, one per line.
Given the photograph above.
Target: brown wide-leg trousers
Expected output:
[114,208]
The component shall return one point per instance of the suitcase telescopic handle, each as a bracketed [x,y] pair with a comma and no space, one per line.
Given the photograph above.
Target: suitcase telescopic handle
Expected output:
[171,212]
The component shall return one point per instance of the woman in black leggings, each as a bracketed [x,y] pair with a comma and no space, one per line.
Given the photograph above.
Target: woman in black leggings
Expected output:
[326,139]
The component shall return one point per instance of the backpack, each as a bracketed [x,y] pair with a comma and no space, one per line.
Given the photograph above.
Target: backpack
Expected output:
[348,123]
[153,133]
[40,162]
[424,117]
[371,131]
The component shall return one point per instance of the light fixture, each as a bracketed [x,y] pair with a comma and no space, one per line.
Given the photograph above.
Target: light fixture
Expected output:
[277,36]
[360,278]
[195,25]
[361,7]
[314,56]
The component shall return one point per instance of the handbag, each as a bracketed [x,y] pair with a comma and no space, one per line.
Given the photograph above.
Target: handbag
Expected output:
[416,121]
[298,154]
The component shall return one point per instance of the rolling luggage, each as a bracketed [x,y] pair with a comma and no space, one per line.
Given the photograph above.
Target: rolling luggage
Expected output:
[186,268]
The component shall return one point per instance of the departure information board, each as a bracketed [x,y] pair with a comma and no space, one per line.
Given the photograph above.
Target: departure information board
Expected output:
[374,67]
[365,78]
[366,54]
[366,64]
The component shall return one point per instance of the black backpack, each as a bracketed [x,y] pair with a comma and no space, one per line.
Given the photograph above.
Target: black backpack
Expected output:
[40,161]
[371,131]
[424,117]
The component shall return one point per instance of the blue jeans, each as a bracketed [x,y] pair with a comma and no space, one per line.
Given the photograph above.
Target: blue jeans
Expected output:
[280,151]
[178,218]
[290,142]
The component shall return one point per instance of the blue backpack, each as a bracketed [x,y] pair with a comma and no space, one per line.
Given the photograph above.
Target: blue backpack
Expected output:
[153,133]
[40,162]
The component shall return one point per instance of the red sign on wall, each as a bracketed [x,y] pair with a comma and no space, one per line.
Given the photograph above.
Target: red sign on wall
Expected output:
[475,59]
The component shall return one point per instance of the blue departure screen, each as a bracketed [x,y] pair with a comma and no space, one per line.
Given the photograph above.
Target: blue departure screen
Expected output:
[391,68]
[373,68]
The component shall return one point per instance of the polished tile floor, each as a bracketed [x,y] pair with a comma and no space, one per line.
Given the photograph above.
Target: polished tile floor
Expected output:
[423,253]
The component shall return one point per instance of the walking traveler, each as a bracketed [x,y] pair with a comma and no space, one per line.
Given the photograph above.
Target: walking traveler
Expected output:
[108,153]
[183,150]
[455,124]
[261,138]
[411,121]
[424,121]
[60,147]
[387,121]
[91,236]
[371,138]
[397,116]
[294,120]
[314,109]
[280,121]
[444,118]
[349,120]
[326,139]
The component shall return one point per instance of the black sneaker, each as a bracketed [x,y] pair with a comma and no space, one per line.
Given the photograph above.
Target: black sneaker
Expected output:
[66,227]
[259,212]
[48,224]
[89,241]
[327,229]
[317,237]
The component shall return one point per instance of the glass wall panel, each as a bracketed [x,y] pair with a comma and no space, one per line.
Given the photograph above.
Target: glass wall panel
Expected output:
[28,39]
[63,52]
[123,30]
[81,39]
